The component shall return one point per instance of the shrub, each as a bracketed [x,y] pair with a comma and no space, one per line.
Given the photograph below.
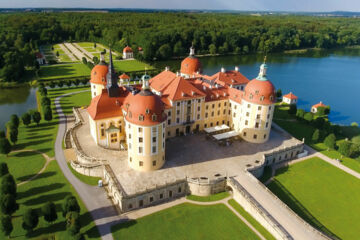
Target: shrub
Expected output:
[14,120]
[308,117]
[300,113]
[70,204]
[45,101]
[6,225]
[36,117]
[292,109]
[319,122]
[49,212]
[316,136]
[30,220]
[5,146]
[43,91]
[14,135]
[354,124]
[3,169]
[47,113]
[345,148]
[60,84]
[52,84]
[8,204]
[330,141]
[8,185]
[73,223]
[278,93]
[26,119]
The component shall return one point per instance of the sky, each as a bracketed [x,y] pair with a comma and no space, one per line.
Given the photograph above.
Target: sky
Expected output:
[247,5]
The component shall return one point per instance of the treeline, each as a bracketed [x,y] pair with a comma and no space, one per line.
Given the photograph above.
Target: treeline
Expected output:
[164,35]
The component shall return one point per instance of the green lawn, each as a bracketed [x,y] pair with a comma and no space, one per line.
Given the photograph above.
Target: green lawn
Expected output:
[86,179]
[211,198]
[77,100]
[251,220]
[63,71]
[131,65]
[51,185]
[323,195]
[34,162]
[186,221]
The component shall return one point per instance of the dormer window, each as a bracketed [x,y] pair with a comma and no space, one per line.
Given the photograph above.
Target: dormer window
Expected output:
[154,117]
[257,92]
[147,111]
[271,97]
[141,117]
[130,115]
[251,96]
[262,98]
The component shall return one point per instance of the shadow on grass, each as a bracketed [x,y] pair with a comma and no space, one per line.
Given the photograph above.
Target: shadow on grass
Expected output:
[290,200]
[51,228]
[46,198]
[21,146]
[123,225]
[41,175]
[38,190]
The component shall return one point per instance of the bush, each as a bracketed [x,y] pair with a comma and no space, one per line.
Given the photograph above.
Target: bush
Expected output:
[316,136]
[5,146]
[354,124]
[70,204]
[8,185]
[292,109]
[6,225]
[14,120]
[43,91]
[84,81]
[356,139]
[278,93]
[45,101]
[30,219]
[14,135]
[3,169]
[73,223]
[319,122]
[47,113]
[60,84]
[345,148]
[308,117]
[8,204]
[49,212]
[300,113]
[36,117]
[330,141]
[26,119]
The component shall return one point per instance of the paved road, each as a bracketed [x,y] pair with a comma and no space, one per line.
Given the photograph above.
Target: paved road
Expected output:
[94,198]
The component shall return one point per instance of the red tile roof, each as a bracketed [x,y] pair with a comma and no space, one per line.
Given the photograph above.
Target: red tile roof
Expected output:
[180,89]
[98,74]
[190,65]
[39,55]
[260,92]
[230,78]
[127,49]
[290,96]
[124,76]
[320,104]
[162,80]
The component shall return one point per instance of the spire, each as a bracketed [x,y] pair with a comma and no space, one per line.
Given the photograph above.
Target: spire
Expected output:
[111,78]
[192,50]
[145,81]
[262,72]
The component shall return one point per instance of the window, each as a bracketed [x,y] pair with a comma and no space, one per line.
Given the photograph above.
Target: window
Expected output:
[262,98]
[178,104]
[189,102]
[129,146]
[224,112]
[206,115]
[177,120]
[198,116]
[130,159]
[219,105]
[257,92]
[170,193]
[169,113]
[179,190]
[217,123]
[264,136]
[244,134]
[256,125]
[205,125]
[267,124]
[154,139]
[129,126]
[161,196]
[258,116]
[130,206]
[198,108]
[140,129]
[168,133]
[141,163]
[154,129]
[235,106]
[130,115]
[255,136]
[234,115]
[147,111]
[247,114]
[140,150]
[177,112]
[248,105]
[141,203]
[154,117]
[113,137]
[140,139]
[169,121]
[154,163]
[151,199]
[218,113]
[211,124]
[229,112]
[213,106]
[154,149]
[259,108]
[224,104]
[207,107]
[129,136]
[269,107]
[199,100]
[246,122]
[268,116]
[102,130]
[212,114]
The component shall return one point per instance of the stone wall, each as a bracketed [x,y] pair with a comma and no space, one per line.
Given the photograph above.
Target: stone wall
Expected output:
[204,186]
[94,170]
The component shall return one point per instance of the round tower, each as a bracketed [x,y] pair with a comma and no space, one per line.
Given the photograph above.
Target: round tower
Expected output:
[190,65]
[258,102]
[145,129]
[98,77]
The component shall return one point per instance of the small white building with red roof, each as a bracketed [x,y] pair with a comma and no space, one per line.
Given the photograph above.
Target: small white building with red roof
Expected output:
[290,98]
[128,53]
[40,58]
[315,107]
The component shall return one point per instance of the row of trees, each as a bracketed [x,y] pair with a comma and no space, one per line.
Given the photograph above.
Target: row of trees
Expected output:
[164,35]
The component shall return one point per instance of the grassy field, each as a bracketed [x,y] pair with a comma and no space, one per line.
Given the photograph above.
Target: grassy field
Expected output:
[211,198]
[33,162]
[63,71]
[323,195]
[186,221]
[131,65]
[76,100]
[251,220]
[50,185]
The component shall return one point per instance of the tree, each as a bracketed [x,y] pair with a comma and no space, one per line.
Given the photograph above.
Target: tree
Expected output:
[52,84]
[308,117]
[70,204]
[8,204]
[57,53]
[68,83]
[165,51]
[76,82]
[43,91]
[36,116]
[3,169]
[292,109]
[279,93]
[300,113]
[330,141]
[316,136]
[6,225]
[47,113]
[94,44]
[84,60]
[26,119]
[179,49]
[212,49]
[96,60]
[345,148]
[2,134]
[14,135]
[30,220]
[73,223]
[5,146]
[45,101]
[8,185]
[319,122]
[14,120]
[49,212]
[60,84]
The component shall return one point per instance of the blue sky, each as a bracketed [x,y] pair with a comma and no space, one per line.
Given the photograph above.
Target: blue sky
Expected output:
[253,5]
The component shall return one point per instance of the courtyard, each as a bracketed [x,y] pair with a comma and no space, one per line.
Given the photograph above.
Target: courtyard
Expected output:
[191,156]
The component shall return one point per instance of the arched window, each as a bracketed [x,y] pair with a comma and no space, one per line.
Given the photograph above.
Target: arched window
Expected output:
[141,117]
[102,130]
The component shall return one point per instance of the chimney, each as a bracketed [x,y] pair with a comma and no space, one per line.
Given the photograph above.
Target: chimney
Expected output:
[167,68]
[222,69]
[236,68]
[177,74]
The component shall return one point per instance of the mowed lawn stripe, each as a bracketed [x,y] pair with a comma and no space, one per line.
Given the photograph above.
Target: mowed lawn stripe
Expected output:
[322,194]
[186,221]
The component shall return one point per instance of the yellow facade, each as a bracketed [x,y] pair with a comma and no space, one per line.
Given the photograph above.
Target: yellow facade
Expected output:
[96,89]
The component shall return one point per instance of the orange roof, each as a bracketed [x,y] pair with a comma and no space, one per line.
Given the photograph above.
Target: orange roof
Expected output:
[39,55]
[290,96]
[145,104]
[235,94]
[190,65]
[320,104]
[180,88]
[103,106]
[230,78]
[124,76]
[127,49]
[260,92]
[98,74]
[162,80]
[140,49]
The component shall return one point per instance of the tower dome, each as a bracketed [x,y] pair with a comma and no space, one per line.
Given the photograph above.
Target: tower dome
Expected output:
[98,74]
[191,64]
[260,90]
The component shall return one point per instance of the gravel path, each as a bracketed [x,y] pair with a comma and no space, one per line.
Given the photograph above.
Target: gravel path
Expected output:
[68,53]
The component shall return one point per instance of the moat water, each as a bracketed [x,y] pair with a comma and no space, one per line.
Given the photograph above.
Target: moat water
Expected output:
[329,76]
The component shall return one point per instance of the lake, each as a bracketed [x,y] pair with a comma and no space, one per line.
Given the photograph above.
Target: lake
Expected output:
[332,77]
[329,76]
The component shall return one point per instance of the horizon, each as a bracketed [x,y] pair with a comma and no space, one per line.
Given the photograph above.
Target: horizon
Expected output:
[211,5]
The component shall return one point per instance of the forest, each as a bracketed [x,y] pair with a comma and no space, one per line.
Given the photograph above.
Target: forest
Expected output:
[167,35]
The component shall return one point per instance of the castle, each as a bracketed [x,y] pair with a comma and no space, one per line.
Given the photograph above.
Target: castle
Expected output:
[140,118]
